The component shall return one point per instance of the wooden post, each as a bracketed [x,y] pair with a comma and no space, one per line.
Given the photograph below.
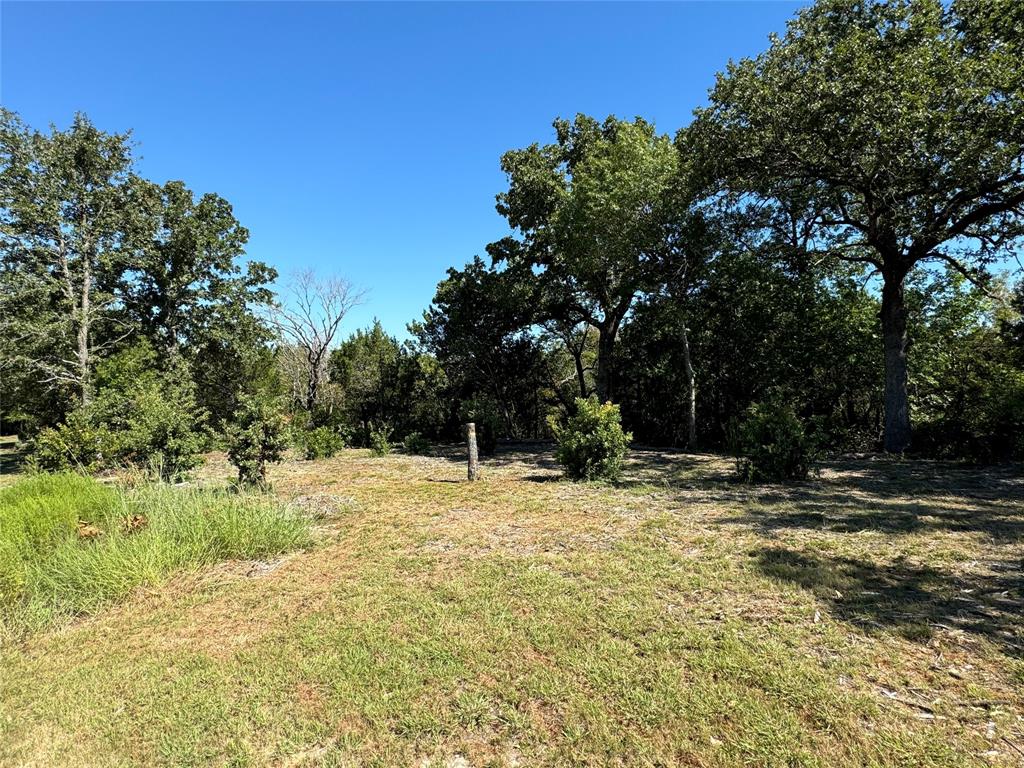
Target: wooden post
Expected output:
[474,459]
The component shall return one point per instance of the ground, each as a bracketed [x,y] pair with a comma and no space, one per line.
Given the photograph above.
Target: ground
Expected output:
[871,616]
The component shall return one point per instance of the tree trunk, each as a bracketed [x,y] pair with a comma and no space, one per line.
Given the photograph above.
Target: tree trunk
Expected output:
[82,351]
[313,379]
[581,374]
[605,347]
[691,382]
[894,336]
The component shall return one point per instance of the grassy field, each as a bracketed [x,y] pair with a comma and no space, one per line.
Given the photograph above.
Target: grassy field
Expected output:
[870,617]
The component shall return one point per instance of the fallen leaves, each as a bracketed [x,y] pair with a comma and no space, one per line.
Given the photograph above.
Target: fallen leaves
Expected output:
[87,530]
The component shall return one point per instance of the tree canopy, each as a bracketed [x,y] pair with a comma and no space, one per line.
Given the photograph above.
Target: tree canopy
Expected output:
[896,128]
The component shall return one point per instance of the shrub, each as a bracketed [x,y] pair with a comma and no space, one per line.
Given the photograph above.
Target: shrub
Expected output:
[150,404]
[415,444]
[380,440]
[322,443]
[772,444]
[141,416]
[256,438]
[70,545]
[592,445]
[76,445]
[300,424]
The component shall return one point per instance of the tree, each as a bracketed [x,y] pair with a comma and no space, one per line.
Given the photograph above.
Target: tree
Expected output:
[377,378]
[590,214]
[68,224]
[898,127]
[257,437]
[188,285]
[95,259]
[478,328]
[309,318]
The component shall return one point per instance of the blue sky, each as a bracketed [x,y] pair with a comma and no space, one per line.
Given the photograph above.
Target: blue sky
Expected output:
[363,139]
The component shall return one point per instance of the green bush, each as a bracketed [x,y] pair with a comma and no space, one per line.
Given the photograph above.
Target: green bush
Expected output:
[257,437]
[380,440]
[322,443]
[141,416]
[300,424]
[592,445]
[415,444]
[76,445]
[772,444]
[70,545]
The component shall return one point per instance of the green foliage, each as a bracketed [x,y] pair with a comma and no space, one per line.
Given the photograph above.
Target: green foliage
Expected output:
[968,391]
[483,410]
[756,326]
[141,416]
[415,444]
[892,129]
[380,440]
[383,381]
[592,445]
[477,330]
[257,437]
[322,443]
[77,445]
[773,445]
[152,412]
[593,210]
[70,545]
[94,258]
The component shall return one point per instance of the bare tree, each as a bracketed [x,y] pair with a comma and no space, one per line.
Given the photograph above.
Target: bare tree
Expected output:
[309,317]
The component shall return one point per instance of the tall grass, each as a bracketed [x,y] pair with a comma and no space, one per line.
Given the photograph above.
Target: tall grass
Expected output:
[50,571]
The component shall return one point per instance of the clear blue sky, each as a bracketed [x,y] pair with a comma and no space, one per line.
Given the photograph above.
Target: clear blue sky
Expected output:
[363,139]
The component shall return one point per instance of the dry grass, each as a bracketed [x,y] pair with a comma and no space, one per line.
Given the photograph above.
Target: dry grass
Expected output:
[869,617]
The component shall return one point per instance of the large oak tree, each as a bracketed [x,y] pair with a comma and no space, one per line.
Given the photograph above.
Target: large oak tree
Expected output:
[899,125]
[589,214]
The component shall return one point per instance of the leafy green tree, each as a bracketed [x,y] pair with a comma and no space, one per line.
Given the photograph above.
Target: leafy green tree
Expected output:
[94,258]
[757,326]
[478,329]
[144,414]
[898,127]
[257,437]
[190,293]
[964,386]
[150,406]
[590,214]
[384,383]
[68,228]
[188,283]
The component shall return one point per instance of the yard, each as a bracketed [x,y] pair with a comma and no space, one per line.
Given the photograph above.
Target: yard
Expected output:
[871,616]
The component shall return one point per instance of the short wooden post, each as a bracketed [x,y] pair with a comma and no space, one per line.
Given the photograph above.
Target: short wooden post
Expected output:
[474,458]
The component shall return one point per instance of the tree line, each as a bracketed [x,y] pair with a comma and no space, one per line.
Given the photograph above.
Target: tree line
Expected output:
[837,231]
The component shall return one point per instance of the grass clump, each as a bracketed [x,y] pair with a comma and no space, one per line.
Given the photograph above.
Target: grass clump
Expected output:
[69,545]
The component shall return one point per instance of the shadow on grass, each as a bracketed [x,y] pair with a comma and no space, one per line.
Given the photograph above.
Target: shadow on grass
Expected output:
[12,455]
[899,499]
[908,599]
